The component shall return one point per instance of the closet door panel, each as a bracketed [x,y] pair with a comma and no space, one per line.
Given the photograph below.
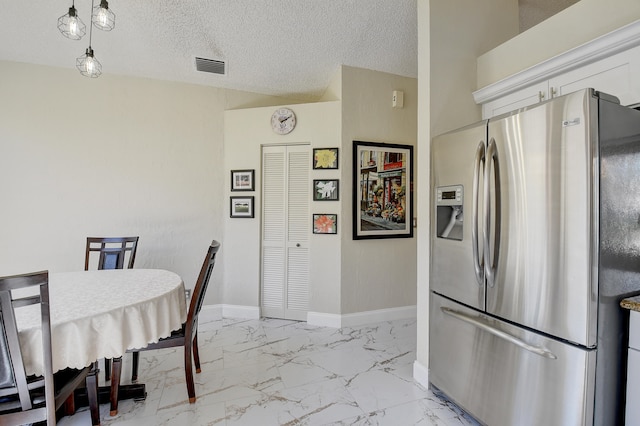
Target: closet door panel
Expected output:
[286,227]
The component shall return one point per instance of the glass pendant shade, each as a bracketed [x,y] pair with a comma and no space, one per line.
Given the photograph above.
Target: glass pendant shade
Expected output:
[88,65]
[103,18]
[71,26]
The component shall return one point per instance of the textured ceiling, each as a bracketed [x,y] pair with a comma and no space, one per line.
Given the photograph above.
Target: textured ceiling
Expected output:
[279,47]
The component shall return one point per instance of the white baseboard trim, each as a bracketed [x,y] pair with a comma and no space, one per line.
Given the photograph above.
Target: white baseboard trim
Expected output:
[361,318]
[324,320]
[421,374]
[238,311]
[210,313]
[217,312]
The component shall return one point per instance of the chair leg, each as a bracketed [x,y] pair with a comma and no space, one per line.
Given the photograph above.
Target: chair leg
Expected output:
[188,371]
[196,354]
[134,368]
[70,405]
[107,369]
[91,382]
[115,384]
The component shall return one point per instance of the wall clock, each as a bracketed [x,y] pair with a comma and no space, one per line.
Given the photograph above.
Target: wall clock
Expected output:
[283,121]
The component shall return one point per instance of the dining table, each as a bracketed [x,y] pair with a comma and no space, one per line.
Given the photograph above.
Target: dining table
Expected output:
[102,314]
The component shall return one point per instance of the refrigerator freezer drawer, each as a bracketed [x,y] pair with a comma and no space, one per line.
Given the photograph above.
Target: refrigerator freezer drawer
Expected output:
[504,375]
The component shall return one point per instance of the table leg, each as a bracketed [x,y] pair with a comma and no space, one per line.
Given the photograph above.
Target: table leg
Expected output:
[92,396]
[107,369]
[134,367]
[135,391]
[115,383]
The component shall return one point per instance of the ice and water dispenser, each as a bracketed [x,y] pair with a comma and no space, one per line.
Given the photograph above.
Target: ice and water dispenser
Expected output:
[449,212]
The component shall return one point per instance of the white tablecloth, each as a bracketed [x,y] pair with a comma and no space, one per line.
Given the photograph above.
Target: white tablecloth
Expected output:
[101,314]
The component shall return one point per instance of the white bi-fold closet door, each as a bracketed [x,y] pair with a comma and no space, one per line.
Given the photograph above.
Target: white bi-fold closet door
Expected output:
[286,224]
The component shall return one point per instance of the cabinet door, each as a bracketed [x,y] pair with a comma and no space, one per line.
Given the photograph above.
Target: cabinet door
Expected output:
[634,330]
[521,98]
[615,75]
[633,386]
[633,369]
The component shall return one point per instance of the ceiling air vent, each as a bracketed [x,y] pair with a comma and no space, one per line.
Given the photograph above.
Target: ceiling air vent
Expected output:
[210,65]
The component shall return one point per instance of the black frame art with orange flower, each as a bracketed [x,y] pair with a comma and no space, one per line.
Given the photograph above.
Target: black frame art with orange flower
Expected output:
[325,223]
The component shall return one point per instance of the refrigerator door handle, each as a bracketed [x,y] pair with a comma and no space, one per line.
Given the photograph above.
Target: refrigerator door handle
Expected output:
[543,352]
[491,168]
[479,162]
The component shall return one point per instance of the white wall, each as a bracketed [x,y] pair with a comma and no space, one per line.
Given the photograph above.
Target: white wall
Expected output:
[376,274]
[461,30]
[108,157]
[346,276]
[129,156]
[452,34]
[246,131]
[421,365]
[574,26]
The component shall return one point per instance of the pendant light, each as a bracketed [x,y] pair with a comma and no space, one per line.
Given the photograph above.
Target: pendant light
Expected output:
[70,25]
[103,18]
[87,64]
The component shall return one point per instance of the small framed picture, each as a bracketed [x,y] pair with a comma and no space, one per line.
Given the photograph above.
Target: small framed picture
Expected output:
[242,207]
[325,158]
[324,223]
[325,190]
[242,180]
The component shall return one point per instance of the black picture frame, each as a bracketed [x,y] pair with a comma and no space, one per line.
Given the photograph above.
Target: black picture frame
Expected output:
[382,190]
[325,158]
[243,180]
[241,207]
[325,223]
[326,189]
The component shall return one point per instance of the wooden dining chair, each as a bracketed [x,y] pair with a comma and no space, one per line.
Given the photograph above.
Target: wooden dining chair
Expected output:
[112,253]
[187,336]
[29,399]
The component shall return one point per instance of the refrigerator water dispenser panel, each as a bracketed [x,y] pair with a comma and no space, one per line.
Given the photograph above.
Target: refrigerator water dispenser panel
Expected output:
[449,212]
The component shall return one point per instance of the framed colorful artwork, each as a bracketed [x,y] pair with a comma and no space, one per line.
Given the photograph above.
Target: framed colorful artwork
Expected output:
[382,190]
[242,180]
[326,190]
[324,223]
[325,158]
[241,207]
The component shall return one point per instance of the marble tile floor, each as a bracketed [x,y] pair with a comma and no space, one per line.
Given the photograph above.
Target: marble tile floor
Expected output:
[277,372]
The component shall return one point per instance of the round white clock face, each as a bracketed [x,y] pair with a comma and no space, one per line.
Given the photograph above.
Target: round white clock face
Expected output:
[283,121]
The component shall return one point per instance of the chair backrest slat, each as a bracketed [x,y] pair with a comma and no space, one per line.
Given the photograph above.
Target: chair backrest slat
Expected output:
[7,378]
[201,286]
[15,381]
[14,353]
[112,252]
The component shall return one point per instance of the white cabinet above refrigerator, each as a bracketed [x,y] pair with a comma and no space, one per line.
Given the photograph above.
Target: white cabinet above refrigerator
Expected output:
[609,64]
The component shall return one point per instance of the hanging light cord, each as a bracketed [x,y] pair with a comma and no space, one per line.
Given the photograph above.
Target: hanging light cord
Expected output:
[90,25]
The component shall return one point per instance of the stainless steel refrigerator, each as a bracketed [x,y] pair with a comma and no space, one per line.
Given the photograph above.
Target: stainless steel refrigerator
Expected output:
[535,239]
